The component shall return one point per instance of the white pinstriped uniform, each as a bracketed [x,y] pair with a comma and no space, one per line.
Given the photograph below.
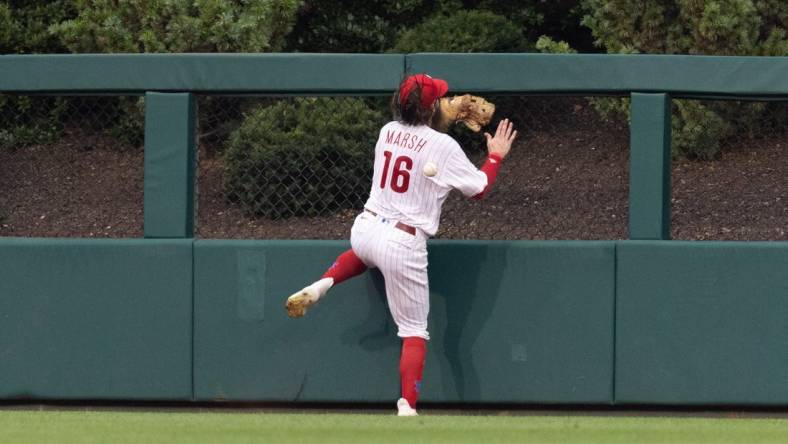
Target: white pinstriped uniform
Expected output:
[402,193]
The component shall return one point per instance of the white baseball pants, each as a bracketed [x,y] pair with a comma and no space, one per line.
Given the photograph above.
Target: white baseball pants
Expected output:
[402,258]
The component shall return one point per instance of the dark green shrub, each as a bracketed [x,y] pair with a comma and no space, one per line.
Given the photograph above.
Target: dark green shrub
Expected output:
[697,130]
[129,126]
[719,27]
[24,25]
[27,120]
[302,157]
[373,26]
[8,28]
[20,136]
[354,26]
[110,26]
[464,31]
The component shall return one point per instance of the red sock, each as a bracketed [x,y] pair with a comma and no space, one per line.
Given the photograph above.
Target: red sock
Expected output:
[411,366]
[345,267]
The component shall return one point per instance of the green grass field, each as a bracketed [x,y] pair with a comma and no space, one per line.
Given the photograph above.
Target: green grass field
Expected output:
[26,426]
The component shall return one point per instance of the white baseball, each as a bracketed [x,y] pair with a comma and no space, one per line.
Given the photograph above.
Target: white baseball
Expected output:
[430,169]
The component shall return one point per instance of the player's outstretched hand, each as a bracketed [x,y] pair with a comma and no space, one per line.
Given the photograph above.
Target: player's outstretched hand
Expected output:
[501,143]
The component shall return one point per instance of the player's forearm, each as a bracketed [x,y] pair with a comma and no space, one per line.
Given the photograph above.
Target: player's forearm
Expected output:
[490,168]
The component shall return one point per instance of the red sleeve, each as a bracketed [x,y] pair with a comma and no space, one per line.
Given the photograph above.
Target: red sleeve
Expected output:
[490,168]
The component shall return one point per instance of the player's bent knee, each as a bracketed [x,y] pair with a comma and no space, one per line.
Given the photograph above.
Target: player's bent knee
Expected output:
[409,333]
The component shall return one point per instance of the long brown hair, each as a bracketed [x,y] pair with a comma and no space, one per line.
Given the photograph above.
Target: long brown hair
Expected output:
[409,111]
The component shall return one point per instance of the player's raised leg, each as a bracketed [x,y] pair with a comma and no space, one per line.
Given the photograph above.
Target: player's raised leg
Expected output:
[346,266]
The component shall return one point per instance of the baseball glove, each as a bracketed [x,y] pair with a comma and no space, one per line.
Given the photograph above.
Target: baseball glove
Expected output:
[473,111]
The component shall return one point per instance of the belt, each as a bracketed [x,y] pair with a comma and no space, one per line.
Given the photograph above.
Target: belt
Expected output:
[399,225]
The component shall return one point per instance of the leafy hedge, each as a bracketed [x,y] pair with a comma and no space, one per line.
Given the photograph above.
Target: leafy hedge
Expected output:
[357,26]
[177,26]
[24,26]
[302,157]
[712,27]
[354,26]
[464,31]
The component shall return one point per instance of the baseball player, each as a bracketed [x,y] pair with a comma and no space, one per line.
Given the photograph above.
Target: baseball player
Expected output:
[403,211]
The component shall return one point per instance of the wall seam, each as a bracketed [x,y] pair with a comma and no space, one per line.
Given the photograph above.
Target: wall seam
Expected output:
[615,323]
[194,290]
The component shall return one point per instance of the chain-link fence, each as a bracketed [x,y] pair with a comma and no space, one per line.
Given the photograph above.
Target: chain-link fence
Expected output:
[71,166]
[300,168]
[295,167]
[566,178]
[739,191]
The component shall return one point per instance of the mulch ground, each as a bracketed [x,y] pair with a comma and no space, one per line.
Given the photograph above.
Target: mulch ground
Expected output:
[564,181]
[81,187]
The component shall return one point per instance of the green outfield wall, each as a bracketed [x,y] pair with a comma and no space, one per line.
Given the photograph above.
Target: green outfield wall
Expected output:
[168,317]
[702,323]
[506,324]
[87,319]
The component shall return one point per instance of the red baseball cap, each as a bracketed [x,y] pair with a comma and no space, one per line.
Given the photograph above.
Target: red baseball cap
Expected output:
[431,89]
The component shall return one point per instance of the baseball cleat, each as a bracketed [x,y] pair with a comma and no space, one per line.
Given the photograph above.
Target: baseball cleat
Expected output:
[299,302]
[404,409]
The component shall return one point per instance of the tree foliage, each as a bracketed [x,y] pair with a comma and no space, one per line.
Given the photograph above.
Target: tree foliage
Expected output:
[134,26]
[712,27]
[464,31]
[24,25]
[357,25]
[375,25]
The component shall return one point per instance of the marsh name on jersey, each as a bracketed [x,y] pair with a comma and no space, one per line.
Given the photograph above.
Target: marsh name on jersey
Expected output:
[405,140]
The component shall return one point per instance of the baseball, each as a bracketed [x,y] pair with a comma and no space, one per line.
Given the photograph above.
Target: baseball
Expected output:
[430,169]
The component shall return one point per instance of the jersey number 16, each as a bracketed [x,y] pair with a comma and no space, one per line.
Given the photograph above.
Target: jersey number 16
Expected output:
[400,175]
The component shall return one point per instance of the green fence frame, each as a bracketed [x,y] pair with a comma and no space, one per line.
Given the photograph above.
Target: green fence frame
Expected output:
[639,76]
[635,281]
